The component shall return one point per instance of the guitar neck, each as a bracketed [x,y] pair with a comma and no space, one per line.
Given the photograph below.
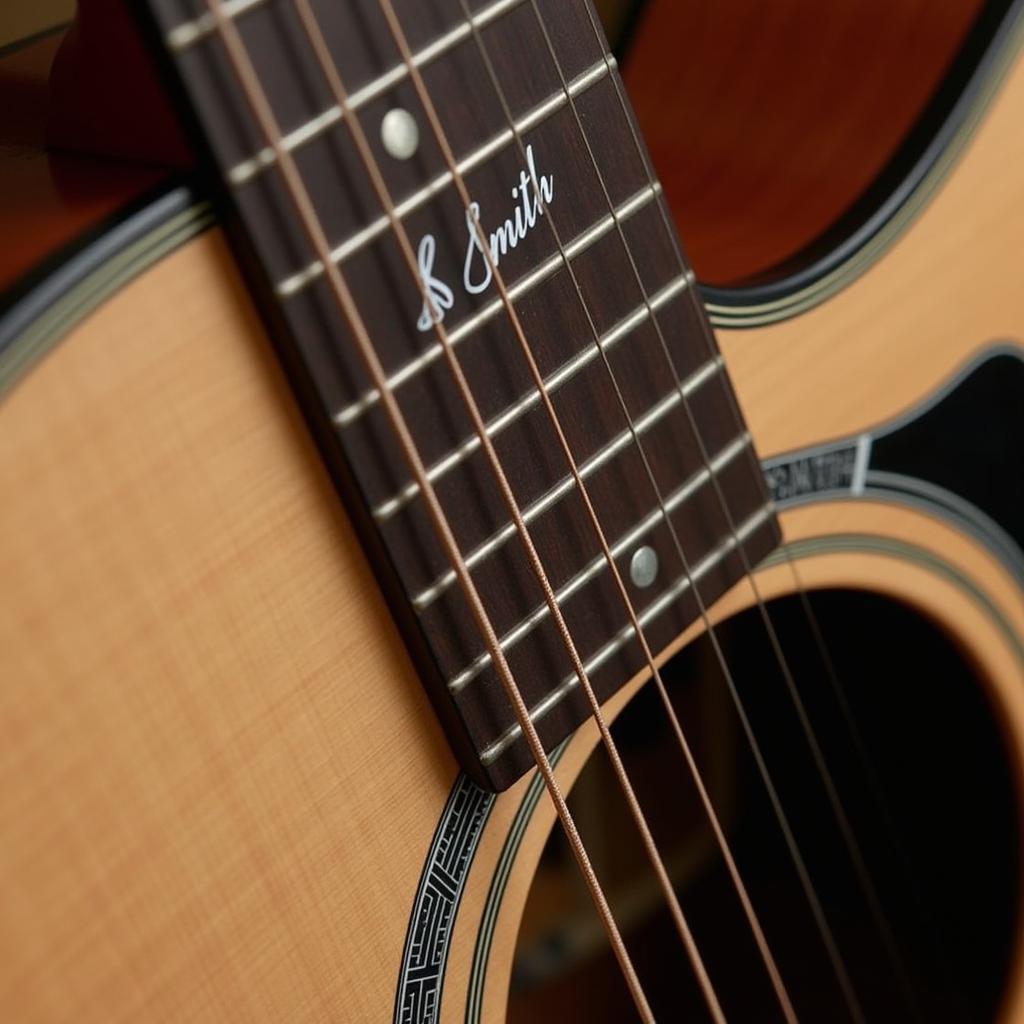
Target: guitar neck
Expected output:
[565,241]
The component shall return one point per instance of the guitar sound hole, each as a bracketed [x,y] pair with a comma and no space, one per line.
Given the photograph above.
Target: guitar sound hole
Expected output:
[935,813]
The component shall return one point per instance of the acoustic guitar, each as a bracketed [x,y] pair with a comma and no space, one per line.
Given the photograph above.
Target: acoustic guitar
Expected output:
[427,595]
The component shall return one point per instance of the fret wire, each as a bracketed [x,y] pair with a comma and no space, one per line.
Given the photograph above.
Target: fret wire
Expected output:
[386,509]
[364,236]
[658,607]
[525,284]
[248,169]
[678,497]
[182,36]
[188,33]
[605,454]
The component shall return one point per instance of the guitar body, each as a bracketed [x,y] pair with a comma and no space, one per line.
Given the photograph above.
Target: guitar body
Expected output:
[221,782]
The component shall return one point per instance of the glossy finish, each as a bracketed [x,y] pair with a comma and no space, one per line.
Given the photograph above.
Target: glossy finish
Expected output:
[766,121]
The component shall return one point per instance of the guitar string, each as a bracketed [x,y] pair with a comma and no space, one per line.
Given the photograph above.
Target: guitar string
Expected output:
[609,556]
[824,774]
[818,637]
[728,858]
[873,786]
[814,901]
[939,947]
[256,99]
[482,242]
[331,72]
[842,820]
[860,867]
[449,157]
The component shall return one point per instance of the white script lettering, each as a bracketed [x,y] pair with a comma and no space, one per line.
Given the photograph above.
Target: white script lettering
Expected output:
[439,296]
[533,193]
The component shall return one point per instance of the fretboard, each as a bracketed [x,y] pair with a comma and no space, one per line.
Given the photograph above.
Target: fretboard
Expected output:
[682,509]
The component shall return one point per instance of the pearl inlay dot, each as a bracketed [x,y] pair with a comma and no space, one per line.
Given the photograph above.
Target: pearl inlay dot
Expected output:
[643,567]
[400,133]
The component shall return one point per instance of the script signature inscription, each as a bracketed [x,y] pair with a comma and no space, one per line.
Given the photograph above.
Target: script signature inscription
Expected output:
[533,193]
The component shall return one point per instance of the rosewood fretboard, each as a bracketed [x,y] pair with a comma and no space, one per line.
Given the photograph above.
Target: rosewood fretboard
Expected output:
[521,192]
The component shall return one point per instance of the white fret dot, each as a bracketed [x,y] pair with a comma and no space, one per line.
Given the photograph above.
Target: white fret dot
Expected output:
[643,567]
[400,133]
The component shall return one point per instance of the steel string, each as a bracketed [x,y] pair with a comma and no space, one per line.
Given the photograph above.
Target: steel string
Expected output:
[821,766]
[330,70]
[814,901]
[824,774]
[255,97]
[732,868]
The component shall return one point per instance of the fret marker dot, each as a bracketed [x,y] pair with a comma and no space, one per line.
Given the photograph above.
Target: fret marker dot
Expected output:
[643,567]
[400,133]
